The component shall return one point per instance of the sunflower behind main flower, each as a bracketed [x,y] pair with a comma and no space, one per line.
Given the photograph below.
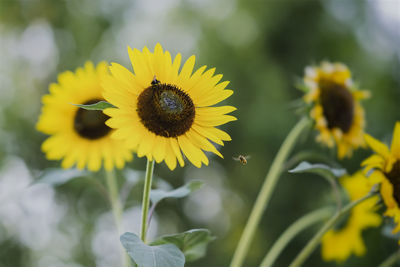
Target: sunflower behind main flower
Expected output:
[162,111]
[338,115]
[77,135]
[385,167]
[340,244]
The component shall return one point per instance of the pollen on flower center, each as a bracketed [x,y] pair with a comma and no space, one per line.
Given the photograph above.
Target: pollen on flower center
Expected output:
[394,178]
[338,105]
[165,110]
[90,124]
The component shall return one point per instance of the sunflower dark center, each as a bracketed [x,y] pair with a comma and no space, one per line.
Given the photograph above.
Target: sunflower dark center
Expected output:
[165,110]
[394,178]
[338,105]
[90,124]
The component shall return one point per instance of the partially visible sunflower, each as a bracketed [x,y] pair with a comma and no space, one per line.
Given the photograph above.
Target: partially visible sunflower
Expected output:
[77,135]
[336,108]
[162,111]
[340,244]
[385,170]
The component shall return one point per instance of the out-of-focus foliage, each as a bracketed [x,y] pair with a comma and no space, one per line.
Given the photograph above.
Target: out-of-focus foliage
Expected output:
[262,47]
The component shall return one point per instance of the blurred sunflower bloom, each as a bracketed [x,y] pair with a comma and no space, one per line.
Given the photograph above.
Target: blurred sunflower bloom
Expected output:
[385,170]
[336,108]
[77,135]
[162,111]
[338,245]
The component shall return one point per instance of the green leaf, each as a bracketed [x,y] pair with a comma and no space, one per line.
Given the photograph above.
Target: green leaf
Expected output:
[321,169]
[60,176]
[166,255]
[192,243]
[96,106]
[157,195]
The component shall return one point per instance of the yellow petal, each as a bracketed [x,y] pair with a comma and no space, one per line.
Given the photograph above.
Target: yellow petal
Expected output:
[377,146]
[201,142]
[175,148]
[194,154]
[395,147]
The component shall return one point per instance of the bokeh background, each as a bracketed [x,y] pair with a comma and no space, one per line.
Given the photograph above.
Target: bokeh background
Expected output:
[262,47]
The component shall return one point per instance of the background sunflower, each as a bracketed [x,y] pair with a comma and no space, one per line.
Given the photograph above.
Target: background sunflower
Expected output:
[260,46]
[79,136]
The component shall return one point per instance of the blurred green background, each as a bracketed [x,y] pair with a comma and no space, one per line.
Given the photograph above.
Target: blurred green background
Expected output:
[262,47]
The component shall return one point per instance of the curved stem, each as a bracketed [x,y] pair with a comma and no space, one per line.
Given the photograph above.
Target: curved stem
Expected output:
[265,193]
[146,198]
[391,260]
[294,229]
[116,207]
[312,244]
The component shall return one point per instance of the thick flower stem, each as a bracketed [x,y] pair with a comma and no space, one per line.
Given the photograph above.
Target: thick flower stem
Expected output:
[116,207]
[298,226]
[265,193]
[146,198]
[313,243]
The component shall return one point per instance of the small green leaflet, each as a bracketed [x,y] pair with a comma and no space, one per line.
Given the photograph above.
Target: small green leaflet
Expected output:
[101,105]
[57,176]
[166,255]
[321,169]
[192,243]
[157,195]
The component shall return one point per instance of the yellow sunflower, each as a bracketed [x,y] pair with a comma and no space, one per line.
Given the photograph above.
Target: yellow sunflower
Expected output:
[340,244]
[77,135]
[162,111]
[336,108]
[385,170]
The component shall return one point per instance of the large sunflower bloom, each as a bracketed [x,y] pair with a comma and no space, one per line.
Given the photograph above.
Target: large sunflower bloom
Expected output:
[162,111]
[385,170]
[340,244]
[338,115]
[77,135]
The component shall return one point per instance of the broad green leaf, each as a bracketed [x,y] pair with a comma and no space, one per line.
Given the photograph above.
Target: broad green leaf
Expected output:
[192,243]
[157,195]
[60,176]
[321,169]
[96,106]
[166,255]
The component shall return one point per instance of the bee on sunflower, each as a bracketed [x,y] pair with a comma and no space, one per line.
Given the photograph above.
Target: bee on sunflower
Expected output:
[79,136]
[335,106]
[384,169]
[162,110]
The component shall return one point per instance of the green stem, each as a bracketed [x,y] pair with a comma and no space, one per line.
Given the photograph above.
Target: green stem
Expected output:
[395,257]
[116,207]
[313,243]
[146,198]
[265,193]
[298,226]
[114,198]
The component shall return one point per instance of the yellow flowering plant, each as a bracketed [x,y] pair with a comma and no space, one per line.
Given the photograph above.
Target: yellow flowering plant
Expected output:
[165,111]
